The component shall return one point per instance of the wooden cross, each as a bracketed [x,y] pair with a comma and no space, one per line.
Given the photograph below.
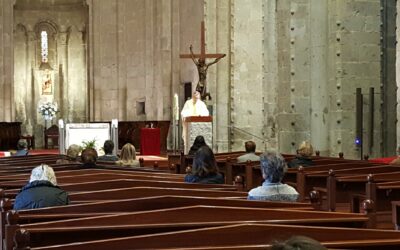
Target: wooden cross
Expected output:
[202,54]
[201,64]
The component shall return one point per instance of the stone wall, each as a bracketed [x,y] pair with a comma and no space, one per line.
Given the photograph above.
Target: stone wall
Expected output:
[354,38]
[134,64]
[66,29]
[293,68]
[111,59]
[134,59]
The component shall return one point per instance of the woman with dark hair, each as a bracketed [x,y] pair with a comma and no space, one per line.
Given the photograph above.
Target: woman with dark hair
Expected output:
[204,169]
[198,143]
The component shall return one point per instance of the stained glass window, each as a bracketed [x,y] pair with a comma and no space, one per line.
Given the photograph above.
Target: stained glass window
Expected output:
[44,45]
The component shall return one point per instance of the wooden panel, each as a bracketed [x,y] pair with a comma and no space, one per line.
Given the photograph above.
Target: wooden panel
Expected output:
[129,131]
[9,135]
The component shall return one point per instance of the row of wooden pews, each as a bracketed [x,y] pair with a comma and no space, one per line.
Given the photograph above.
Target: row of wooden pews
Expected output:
[143,208]
[332,184]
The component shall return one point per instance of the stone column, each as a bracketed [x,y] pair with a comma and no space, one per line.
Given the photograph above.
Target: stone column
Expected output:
[31,100]
[355,62]
[319,75]
[164,91]
[270,75]
[7,110]
[218,31]
[398,72]
[62,97]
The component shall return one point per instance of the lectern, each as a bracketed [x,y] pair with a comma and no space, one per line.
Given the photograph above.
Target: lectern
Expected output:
[194,126]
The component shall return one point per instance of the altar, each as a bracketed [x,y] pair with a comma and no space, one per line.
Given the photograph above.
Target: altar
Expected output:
[195,126]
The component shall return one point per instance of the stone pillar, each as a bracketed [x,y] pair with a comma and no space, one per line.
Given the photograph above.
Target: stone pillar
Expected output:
[398,72]
[175,76]
[294,97]
[270,75]
[62,97]
[319,75]
[76,71]
[164,91]
[354,63]
[218,40]
[7,109]
[247,88]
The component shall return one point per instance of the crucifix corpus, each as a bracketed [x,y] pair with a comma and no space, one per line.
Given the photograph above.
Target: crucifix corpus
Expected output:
[201,64]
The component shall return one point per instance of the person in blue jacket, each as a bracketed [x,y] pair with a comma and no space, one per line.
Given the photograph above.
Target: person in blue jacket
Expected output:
[22,148]
[204,169]
[41,191]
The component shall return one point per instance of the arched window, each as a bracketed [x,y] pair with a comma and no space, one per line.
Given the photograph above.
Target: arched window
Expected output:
[44,46]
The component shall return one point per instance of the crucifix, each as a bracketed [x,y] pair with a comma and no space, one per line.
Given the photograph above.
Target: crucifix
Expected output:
[201,64]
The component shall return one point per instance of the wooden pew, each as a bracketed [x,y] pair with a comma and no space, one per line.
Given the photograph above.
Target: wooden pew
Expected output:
[73,178]
[132,205]
[308,180]
[232,236]
[380,198]
[136,192]
[127,183]
[136,223]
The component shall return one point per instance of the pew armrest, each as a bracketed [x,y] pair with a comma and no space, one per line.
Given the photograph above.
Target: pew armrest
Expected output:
[395,214]
[355,201]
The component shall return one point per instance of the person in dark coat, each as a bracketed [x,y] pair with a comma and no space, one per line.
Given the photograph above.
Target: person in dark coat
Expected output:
[302,158]
[41,191]
[204,169]
[198,143]
[108,152]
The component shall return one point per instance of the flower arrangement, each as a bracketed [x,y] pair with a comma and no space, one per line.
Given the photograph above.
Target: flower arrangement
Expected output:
[89,144]
[48,110]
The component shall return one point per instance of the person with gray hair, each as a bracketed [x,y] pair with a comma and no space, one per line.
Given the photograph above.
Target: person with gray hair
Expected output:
[273,168]
[41,191]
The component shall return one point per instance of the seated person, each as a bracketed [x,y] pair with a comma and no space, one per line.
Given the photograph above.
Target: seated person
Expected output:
[204,169]
[108,150]
[250,155]
[273,168]
[298,243]
[72,155]
[128,156]
[198,143]
[41,191]
[22,148]
[302,158]
[89,158]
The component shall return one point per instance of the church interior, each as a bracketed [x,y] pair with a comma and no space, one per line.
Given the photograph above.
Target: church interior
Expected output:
[274,72]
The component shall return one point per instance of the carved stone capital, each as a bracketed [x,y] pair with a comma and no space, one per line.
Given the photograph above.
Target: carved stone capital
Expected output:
[31,36]
[63,38]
